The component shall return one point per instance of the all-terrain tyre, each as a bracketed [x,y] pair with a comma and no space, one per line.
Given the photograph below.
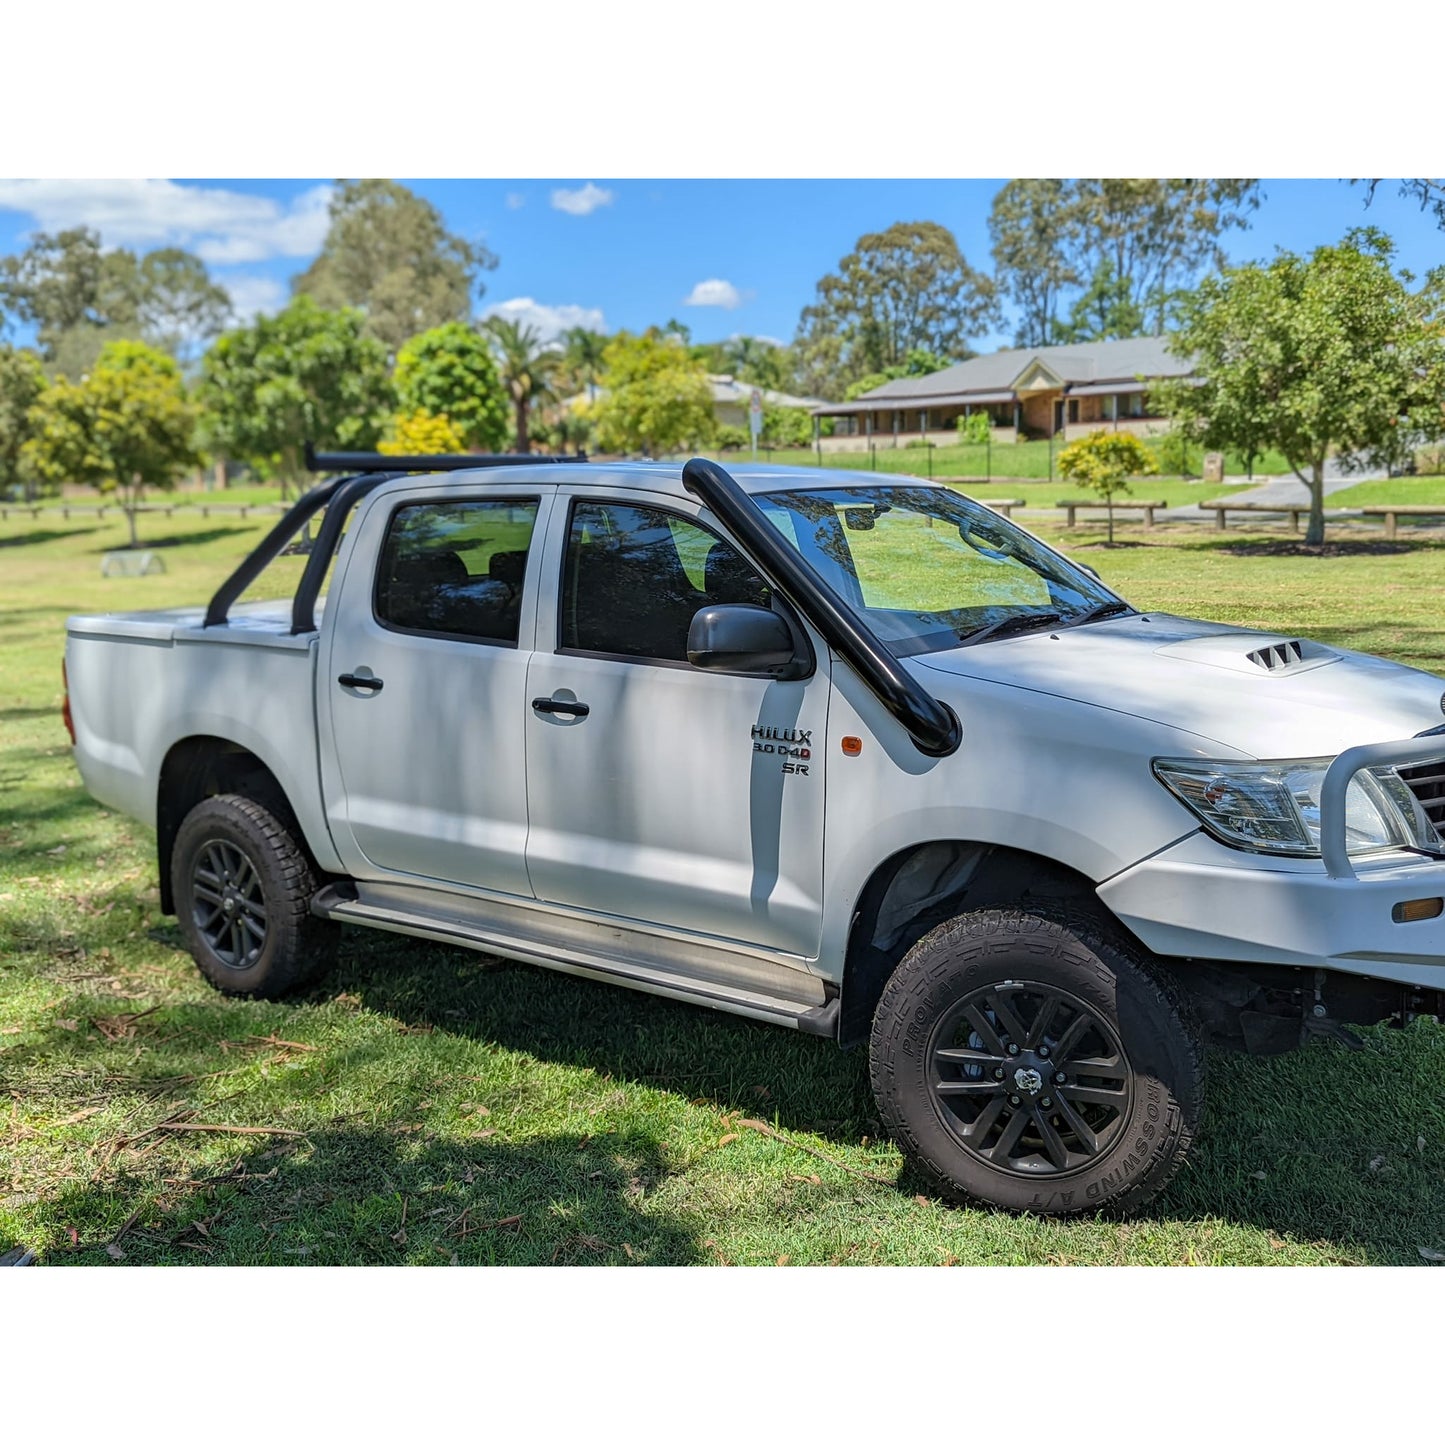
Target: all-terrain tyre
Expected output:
[243,889]
[1033,1063]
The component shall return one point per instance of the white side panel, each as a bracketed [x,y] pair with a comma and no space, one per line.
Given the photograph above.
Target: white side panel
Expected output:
[1034,772]
[133,699]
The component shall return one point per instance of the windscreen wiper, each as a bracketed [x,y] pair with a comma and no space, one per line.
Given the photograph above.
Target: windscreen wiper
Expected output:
[1019,622]
[1102,609]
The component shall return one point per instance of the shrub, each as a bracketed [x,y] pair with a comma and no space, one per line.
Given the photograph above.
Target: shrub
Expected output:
[974,430]
[1177,451]
[733,438]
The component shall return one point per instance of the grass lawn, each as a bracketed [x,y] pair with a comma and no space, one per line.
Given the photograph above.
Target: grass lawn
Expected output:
[1421,491]
[1029,461]
[430,1105]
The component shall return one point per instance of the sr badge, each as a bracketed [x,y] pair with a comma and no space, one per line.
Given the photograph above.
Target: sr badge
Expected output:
[793,745]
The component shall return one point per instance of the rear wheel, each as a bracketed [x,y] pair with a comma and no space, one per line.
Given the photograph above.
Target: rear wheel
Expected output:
[243,889]
[1030,1063]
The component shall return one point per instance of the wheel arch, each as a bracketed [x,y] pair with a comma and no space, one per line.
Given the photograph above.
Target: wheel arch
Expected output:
[200,767]
[919,886]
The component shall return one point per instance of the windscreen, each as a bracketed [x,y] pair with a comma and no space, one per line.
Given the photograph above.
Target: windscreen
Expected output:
[928,568]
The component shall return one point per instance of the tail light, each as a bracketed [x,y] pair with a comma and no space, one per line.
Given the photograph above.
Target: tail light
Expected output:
[65,706]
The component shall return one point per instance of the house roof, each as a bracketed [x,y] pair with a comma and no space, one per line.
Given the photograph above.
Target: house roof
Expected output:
[997,377]
[728,390]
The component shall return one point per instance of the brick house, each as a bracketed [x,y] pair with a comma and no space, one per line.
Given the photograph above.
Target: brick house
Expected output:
[1064,391]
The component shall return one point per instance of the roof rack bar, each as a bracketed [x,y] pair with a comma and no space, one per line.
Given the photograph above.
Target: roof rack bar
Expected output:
[268,549]
[376,462]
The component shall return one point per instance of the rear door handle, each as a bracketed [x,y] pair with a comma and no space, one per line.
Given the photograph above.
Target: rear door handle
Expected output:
[553,704]
[350,679]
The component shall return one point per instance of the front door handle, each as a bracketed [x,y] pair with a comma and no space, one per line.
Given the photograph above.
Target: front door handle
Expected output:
[553,704]
[350,679]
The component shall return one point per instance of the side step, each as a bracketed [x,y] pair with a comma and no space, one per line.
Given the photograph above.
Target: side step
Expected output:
[690,972]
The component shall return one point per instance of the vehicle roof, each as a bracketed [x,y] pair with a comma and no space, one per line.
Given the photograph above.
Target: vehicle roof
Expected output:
[665,477]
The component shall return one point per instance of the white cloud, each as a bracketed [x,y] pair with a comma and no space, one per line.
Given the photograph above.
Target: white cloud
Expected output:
[714,293]
[756,336]
[583,202]
[222,227]
[252,296]
[549,321]
[515,200]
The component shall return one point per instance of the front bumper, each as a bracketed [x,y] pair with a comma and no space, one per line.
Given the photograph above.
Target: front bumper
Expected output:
[1201,899]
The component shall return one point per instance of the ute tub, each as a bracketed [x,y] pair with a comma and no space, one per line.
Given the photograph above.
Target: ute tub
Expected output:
[1201,899]
[142,682]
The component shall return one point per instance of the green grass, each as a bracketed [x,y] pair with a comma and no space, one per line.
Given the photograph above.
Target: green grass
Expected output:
[1420,491]
[443,1105]
[1026,461]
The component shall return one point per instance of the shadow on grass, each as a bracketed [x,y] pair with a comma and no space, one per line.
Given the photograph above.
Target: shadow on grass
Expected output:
[367,1195]
[1309,1122]
[26,539]
[187,539]
[802,1082]
[1293,547]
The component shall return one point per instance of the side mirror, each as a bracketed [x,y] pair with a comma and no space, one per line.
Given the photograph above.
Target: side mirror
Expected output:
[739,637]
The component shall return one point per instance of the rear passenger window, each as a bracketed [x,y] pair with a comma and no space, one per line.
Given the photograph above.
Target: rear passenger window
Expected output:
[455,569]
[634,578]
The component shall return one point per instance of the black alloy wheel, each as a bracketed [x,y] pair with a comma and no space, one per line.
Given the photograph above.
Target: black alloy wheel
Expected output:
[1037,1061]
[228,905]
[243,886]
[1030,1079]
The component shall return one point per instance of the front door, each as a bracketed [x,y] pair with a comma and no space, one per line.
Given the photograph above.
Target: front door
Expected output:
[424,681]
[659,792]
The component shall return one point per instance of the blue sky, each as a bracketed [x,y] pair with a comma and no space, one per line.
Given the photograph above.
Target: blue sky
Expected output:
[725,256]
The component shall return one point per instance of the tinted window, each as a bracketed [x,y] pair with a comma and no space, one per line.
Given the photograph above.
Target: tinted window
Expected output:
[456,568]
[635,577]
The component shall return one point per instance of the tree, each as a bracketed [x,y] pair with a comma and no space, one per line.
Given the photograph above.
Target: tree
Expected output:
[304,374]
[449,371]
[528,366]
[1156,235]
[1104,461]
[1333,352]
[1429,193]
[905,288]
[79,296]
[75,295]
[657,399]
[918,363]
[178,305]
[1033,225]
[129,425]
[582,358]
[22,380]
[388,252]
[1106,311]
[422,434]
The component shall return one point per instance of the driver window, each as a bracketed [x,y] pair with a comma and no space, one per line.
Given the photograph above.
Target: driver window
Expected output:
[634,578]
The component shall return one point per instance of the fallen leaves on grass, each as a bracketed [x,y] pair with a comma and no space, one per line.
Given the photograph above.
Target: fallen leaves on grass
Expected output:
[772,1133]
[1430,1256]
[116,1027]
[727,1139]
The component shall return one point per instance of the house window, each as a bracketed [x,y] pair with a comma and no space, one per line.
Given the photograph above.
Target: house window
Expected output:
[1073,409]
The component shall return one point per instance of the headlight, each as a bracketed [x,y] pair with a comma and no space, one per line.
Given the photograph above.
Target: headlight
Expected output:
[1275,807]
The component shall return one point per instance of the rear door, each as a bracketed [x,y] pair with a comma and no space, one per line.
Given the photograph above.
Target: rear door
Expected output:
[423,680]
[658,792]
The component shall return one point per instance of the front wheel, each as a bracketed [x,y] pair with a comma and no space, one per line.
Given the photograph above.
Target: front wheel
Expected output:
[1028,1063]
[243,889]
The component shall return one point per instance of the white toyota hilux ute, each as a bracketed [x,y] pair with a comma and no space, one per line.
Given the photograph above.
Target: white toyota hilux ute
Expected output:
[852,755]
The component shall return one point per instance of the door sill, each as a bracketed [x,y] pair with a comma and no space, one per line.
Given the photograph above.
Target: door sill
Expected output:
[689,971]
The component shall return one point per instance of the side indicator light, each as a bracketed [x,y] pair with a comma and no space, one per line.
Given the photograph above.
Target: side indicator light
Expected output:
[1418,909]
[852,747]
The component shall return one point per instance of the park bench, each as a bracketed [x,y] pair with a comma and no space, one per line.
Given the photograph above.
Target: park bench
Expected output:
[1005,505]
[1391,513]
[1071,505]
[131,564]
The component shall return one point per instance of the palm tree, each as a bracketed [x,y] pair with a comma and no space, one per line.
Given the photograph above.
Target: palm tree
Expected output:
[583,356]
[527,365]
